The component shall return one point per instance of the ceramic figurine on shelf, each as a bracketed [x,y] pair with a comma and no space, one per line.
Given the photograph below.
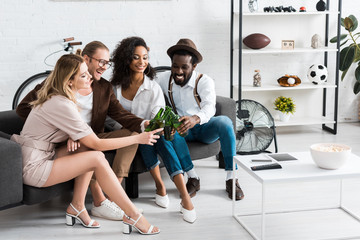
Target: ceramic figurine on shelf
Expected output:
[253,5]
[257,79]
[316,41]
[302,9]
[321,6]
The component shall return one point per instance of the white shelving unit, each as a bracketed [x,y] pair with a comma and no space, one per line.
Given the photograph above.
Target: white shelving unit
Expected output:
[311,100]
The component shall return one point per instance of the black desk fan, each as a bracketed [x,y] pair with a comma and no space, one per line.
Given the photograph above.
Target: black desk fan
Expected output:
[255,128]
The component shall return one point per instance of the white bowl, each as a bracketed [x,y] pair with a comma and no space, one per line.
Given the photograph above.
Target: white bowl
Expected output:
[330,155]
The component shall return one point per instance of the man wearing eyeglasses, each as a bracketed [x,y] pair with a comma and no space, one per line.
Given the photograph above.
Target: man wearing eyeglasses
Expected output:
[95,104]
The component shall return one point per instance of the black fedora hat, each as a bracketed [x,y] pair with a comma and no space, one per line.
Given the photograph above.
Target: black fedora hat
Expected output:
[185,44]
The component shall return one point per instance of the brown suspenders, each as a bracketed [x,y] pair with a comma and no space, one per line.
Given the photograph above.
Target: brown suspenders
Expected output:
[196,95]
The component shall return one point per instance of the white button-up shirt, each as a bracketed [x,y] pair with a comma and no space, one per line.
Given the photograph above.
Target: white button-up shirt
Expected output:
[184,99]
[147,101]
[85,104]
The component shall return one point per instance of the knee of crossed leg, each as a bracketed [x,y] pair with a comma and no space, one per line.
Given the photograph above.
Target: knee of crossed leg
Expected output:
[100,159]
[224,123]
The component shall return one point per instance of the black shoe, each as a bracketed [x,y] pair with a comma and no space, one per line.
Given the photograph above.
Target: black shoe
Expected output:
[238,194]
[192,186]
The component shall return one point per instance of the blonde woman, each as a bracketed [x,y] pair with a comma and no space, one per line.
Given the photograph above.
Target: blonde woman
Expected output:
[54,119]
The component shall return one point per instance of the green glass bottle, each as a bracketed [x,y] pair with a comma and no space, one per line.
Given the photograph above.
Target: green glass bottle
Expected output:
[156,122]
[160,123]
[177,123]
[175,120]
[167,132]
[167,116]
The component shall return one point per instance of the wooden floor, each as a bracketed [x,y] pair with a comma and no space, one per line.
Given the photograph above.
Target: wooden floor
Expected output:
[47,221]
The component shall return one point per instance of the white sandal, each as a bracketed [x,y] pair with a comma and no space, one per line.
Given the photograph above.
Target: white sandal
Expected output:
[162,201]
[70,219]
[188,215]
[128,227]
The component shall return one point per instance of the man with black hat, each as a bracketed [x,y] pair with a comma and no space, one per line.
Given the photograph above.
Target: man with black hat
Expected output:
[193,97]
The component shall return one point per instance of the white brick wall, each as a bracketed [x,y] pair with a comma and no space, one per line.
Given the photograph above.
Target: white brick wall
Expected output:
[32,29]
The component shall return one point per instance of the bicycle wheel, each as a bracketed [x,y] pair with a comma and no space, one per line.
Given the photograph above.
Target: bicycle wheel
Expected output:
[162,69]
[27,86]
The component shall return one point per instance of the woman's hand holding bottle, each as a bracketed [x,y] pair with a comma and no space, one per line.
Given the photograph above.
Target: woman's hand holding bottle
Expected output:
[149,138]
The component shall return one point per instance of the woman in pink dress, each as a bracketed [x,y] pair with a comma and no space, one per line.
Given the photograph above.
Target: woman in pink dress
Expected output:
[54,119]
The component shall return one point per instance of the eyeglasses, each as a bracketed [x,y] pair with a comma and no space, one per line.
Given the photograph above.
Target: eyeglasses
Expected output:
[102,62]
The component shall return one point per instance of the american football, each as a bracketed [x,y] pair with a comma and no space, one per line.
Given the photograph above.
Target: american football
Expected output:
[256,41]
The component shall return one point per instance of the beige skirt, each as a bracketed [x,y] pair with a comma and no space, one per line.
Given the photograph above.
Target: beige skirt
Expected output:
[37,160]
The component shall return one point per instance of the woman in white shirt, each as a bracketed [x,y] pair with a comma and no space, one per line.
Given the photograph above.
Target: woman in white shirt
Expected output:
[54,119]
[139,94]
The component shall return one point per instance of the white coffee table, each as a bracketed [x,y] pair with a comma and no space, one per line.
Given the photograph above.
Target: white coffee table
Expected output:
[300,170]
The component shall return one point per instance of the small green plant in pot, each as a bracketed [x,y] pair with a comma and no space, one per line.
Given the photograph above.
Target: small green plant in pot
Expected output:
[350,53]
[285,105]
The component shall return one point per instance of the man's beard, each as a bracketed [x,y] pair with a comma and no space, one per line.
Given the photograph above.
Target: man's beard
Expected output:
[182,83]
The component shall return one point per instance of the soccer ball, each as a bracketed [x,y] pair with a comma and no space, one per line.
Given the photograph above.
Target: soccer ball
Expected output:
[317,74]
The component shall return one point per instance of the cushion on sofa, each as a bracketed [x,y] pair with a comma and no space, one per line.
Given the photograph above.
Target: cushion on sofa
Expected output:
[200,150]
[35,195]
[10,122]
[11,191]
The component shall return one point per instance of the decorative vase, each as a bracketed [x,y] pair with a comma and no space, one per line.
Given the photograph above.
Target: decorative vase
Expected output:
[321,5]
[284,117]
[253,5]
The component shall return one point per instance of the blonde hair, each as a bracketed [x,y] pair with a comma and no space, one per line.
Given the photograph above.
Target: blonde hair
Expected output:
[57,83]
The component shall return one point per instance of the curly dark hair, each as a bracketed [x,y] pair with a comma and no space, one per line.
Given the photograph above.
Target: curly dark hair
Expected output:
[122,58]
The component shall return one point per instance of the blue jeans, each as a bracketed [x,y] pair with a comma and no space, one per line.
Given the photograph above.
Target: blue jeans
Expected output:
[219,127]
[175,155]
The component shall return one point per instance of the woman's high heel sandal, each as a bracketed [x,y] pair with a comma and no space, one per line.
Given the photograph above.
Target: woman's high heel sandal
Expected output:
[70,219]
[128,227]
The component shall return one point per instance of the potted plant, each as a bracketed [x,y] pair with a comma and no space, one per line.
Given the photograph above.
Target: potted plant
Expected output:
[286,106]
[350,53]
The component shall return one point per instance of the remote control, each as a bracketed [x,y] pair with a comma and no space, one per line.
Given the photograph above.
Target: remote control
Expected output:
[267,166]
[261,160]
